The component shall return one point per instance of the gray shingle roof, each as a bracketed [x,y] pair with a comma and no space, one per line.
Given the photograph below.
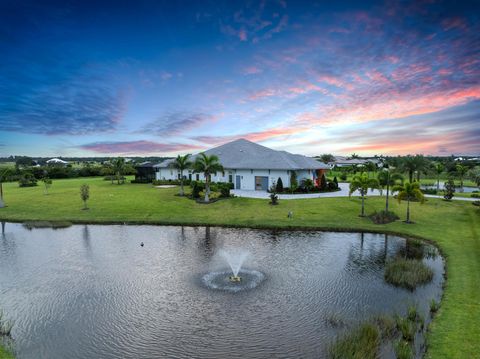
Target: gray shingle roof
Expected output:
[243,154]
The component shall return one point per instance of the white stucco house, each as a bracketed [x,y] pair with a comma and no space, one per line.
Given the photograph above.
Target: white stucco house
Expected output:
[250,166]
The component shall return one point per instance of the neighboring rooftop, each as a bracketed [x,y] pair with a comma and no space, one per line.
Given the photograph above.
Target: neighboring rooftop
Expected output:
[244,154]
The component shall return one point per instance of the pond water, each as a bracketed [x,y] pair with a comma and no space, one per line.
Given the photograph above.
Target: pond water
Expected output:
[91,291]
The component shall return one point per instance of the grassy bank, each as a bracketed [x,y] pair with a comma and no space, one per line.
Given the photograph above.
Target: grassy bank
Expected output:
[454,226]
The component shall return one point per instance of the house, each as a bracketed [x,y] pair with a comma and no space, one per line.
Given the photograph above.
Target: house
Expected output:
[341,161]
[57,162]
[250,166]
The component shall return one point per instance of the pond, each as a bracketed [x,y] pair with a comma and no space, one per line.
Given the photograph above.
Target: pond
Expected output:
[92,291]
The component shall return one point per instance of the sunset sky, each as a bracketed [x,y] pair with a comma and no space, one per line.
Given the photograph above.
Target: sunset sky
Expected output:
[96,78]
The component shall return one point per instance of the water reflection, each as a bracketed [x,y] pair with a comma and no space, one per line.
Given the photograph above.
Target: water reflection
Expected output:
[149,302]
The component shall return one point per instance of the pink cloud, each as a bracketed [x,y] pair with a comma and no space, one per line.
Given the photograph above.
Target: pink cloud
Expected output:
[251,70]
[242,35]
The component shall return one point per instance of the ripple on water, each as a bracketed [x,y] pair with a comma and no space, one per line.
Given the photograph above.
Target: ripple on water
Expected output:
[221,280]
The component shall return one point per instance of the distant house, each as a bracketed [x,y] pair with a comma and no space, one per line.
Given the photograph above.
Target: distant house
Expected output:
[57,162]
[250,166]
[341,161]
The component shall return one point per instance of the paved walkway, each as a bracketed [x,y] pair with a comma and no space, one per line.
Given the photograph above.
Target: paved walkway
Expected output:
[344,188]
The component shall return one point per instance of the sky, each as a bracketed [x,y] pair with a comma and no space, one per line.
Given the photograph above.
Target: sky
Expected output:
[160,78]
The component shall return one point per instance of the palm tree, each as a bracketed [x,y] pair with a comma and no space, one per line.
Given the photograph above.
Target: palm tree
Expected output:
[439,168]
[409,191]
[207,165]
[362,183]
[387,179]
[3,176]
[327,158]
[461,171]
[181,163]
[412,164]
[118,165]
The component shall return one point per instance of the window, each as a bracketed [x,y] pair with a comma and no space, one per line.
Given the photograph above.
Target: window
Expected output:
[223,174]
[230,178]
[197,176]
[268,171]
[251,171]
[189,176]
[179,176]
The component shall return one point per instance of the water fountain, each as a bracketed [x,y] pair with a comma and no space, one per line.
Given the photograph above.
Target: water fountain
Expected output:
[237,278]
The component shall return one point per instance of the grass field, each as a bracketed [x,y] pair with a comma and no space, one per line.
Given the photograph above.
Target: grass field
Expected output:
[453,226]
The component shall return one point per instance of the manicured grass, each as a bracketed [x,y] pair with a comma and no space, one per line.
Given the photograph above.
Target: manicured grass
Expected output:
[453,226]
[5,354]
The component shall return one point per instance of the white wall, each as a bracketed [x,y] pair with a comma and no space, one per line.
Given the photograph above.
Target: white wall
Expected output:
[247,177]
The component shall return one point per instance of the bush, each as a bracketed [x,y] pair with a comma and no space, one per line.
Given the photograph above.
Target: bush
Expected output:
[449,190]
[279,186]
[197,187]
[475,195]
[27,180]
[407,328]
[323,183]
[362,342]
[336,182]
[383,217]
[307,185]
[407,273]
[476,203]
[429,191]
[343,177]
[332,186]
[224,190]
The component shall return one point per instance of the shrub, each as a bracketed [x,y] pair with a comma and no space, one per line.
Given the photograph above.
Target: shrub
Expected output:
[387,326]
[362,342]
[197,187]
[273,194]
[343,177]
[224,190]
[27,180]
[307,184]
[85,194]
[403,349]
[407,273]
[429,191]
[279,186]
[332,186]
[323,183]
[336,182]
[476,203]
[449,190]
[383,217]
[475,195]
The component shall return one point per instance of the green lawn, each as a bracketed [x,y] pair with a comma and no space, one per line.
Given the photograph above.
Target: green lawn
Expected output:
[5,354]
[454,226]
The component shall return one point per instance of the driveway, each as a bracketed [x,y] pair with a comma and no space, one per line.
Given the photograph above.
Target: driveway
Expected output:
[344,188]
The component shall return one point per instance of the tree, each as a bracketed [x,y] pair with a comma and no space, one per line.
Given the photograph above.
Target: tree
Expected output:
[387,179]
[439,168]
[273,194]
[362,183]
[449,189]
[409,191]
[293,181]
[323,182]
[461,171]
[207,165]
[412,164]
[279,186]
[354,156]
[327,158]
[370,167]
[474,175]
[308,184]
[118,165]
[47,182]
[85,194]
[181,163]
[23,162]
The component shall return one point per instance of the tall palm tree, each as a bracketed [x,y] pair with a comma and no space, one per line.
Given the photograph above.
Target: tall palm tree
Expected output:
[181,163]
[118,165]
[388,179]
[409,191]
[461,171]
[207,165]
[439,168]
[362,183]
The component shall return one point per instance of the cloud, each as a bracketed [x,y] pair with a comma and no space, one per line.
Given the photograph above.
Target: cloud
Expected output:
[175,123]
[251,70]
[257,136]
[137,147]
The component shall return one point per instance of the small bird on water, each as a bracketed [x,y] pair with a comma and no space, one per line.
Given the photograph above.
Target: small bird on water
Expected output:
[141,244]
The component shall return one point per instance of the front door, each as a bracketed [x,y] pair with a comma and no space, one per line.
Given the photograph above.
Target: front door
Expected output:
[261,183]
[237,179]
